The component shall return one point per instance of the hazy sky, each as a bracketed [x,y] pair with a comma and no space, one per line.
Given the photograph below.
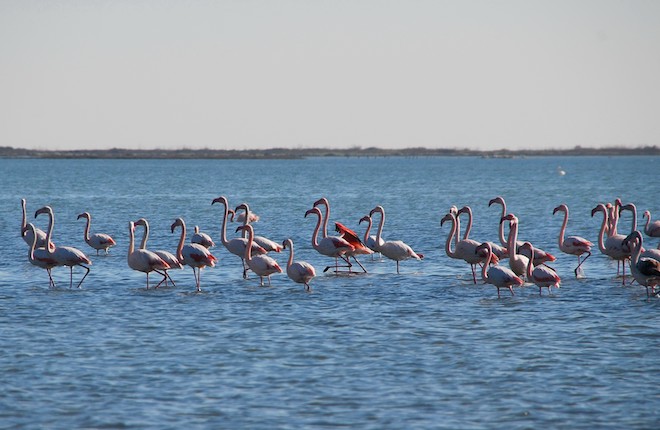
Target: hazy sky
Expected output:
[282,73]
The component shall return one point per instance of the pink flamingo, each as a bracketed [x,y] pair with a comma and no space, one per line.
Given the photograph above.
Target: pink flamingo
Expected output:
[500,251]
[466,249]
[143,260]
[265,243]
[500,277]
[652,229]
[298,271]
[393,249]
[500,201]
[192,254]
[64,255]
[236,245]
[540,256]
[201,238]
[542,275]
[646,271]
[166,256]
[330,246]
[632,208]
[97,241]
[347,234]
[517,262]
[262,265]
[573,245]
[26,233]
[613,247]
[39,256]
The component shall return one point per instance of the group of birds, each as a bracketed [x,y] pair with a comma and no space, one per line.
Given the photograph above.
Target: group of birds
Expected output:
[525,261]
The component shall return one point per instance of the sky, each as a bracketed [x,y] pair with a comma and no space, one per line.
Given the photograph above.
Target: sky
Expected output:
[251,74]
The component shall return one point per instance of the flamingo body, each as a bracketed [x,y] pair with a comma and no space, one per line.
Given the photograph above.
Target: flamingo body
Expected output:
[396,250]
[651,228]
[201,238]
[500,277]
[192,254]
[29,234]
[262,265]
[646,271]
[300,272]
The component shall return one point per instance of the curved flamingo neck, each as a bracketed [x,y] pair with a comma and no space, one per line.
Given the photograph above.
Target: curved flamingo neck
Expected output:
[503,241]
[182,238]
[326,217]
[87,226]
[632,208]
[289,243]
[49,235]
[33,245]
[145,236]
[452,232]
[315,240]
[562,230]
[601,235]
[484,268]
[530,262]
[513,238]
[223,229]
[366,233]
[131,238]
[380,225]
[24,222]
[467,210]
[250,235]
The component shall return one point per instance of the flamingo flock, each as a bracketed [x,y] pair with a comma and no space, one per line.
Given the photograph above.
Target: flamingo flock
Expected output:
[527,264]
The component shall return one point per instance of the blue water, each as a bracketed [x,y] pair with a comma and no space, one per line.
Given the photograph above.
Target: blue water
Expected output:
[423,349]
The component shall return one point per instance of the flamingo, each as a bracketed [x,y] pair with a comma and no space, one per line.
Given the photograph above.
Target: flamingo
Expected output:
[652,229]
[192,254]
[265,243]
[500,277]
[202,239]
[370,241]
[613,247]
[299,271]
[39,256]
[236,245]
[25,233]
[393,249]
[632,208]
[166,256]
[540,256]
[500,251]
[347,234]
[500,201]
[262,265]
[330,246]
[143,260]
[573,245]
[646,271]
[64,255]
[541,275]
[613,214]
[97,241]
[517,262]
[466,249]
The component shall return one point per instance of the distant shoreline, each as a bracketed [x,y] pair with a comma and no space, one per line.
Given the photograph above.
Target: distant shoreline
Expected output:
[299,153]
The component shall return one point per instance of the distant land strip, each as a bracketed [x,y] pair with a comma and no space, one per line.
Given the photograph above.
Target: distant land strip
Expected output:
[298,153]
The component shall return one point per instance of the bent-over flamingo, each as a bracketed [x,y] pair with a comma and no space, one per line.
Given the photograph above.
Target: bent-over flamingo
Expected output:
[202,238]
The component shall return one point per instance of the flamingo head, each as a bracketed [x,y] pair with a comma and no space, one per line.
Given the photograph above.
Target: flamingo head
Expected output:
[321,201]
[44,210]
[221,199]
[84,215]
[599,208]
[647,214]
[562,207]
[177,223]
[449,217]
[246,227]
[365,218]
[287,243]
[499,200]
[313,210]
[378,209]
[634,239]
[244,207]
[509,217]
[143,222]
[630,207]
[464,209]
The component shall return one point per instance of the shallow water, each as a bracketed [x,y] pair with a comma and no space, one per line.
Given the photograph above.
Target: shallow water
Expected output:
[423,349]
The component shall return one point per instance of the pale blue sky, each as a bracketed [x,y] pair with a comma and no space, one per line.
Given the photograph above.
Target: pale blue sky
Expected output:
[283,73]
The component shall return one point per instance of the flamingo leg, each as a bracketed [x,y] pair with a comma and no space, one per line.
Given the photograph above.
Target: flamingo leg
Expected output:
[170,278]
[580,263]
[51,282]
[84,276]
[360,264]
[164,275]
[474,274]
[147,280]
[511,289]
[397,267]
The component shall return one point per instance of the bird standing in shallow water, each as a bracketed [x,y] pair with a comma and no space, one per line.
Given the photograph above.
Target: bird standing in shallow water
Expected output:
[98,241]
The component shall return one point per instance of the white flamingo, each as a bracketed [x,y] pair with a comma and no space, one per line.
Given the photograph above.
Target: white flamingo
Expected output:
[299,271]
[98,241]
[265,243]
[652,229]
[143,260]
[262,265]
[646,271]
[500,277]
[370,241]
[26,233]
[466,249]
[166,256]
[39,256]
[64,255]
[236,245]
[201,238]
[192,254]
[572,245]
[330,246]
[543,276]
[613,246]
[395,250]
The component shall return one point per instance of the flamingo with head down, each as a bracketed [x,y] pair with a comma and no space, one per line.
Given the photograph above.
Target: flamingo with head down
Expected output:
[192,254]
[98,241]
[396,250]
[64,255]
[572,245]
[202,238]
